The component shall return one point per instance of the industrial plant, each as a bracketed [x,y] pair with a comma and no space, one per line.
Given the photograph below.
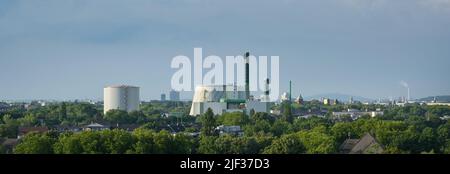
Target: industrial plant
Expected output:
[230,98]
[121,97]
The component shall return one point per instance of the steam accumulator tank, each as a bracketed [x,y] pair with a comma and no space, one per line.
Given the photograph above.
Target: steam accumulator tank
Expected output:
[121,97]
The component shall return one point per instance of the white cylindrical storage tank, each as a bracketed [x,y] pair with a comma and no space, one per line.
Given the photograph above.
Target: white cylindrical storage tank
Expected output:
[132,99]
[121,97]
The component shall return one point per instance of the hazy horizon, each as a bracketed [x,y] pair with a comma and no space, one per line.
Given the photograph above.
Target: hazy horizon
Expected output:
[71,49]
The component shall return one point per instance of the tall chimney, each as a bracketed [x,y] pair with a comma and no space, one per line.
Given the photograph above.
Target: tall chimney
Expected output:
[247,75]
[266,91]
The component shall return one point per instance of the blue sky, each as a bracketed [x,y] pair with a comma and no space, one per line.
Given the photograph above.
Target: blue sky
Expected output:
[71,49]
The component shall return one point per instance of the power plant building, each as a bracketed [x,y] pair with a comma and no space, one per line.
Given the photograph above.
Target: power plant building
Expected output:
[121,97]
[224,98]
[228,98]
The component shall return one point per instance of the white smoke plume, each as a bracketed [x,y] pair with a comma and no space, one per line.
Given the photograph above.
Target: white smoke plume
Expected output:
[404,84]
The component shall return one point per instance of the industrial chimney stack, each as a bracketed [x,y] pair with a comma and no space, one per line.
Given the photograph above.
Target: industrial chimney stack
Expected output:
[247,75]
[267,90]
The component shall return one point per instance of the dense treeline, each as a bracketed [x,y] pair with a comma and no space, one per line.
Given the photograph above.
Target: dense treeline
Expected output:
[313,136]
[80,114]
[410,129]
[141,141]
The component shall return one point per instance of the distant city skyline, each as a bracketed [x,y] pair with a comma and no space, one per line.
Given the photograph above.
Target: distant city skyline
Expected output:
[67,50]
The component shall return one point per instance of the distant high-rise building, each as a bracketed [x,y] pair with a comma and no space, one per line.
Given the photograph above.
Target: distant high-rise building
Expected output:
[163,97]
[327,101]
[335,102]
[174,95]
[121,97]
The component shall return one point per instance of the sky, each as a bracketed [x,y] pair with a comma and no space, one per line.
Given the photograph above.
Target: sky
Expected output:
[71,49]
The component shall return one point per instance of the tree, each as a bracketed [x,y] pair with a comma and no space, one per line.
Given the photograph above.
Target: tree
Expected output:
[63,112]
[35,143]
[317,141]
[137,117]
[287,112]
[208,122]
[260,126]
[117,116]
[427,140]
[233,119]
[280,127]
[3,149]
[68,143]
[228,144]
[309,123]
[182,144]
[207,145]
[342,131]
[438,110]
[92,142]
[446,148]
[262,116]
[163,142]
[9,128]
[443,136]
[262,141]
[144,142]
[117,141]
[287,144]
[28,120]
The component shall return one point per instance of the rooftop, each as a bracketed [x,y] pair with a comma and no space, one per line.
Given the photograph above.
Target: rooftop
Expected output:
[92,125]
[121,86]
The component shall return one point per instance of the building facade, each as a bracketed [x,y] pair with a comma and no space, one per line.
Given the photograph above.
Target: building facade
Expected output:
[224,99]
[174,95]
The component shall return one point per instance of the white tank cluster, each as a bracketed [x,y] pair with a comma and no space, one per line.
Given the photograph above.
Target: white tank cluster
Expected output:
[121,97]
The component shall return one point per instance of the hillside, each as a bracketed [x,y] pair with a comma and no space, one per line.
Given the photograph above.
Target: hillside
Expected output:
[340,97]
[441,98]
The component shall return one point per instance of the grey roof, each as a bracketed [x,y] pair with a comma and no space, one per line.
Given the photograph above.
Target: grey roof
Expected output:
[364,143]
[358,146]
[95,125]
[348,145]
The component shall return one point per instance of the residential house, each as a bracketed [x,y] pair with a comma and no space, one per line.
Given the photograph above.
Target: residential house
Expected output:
[366,145]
